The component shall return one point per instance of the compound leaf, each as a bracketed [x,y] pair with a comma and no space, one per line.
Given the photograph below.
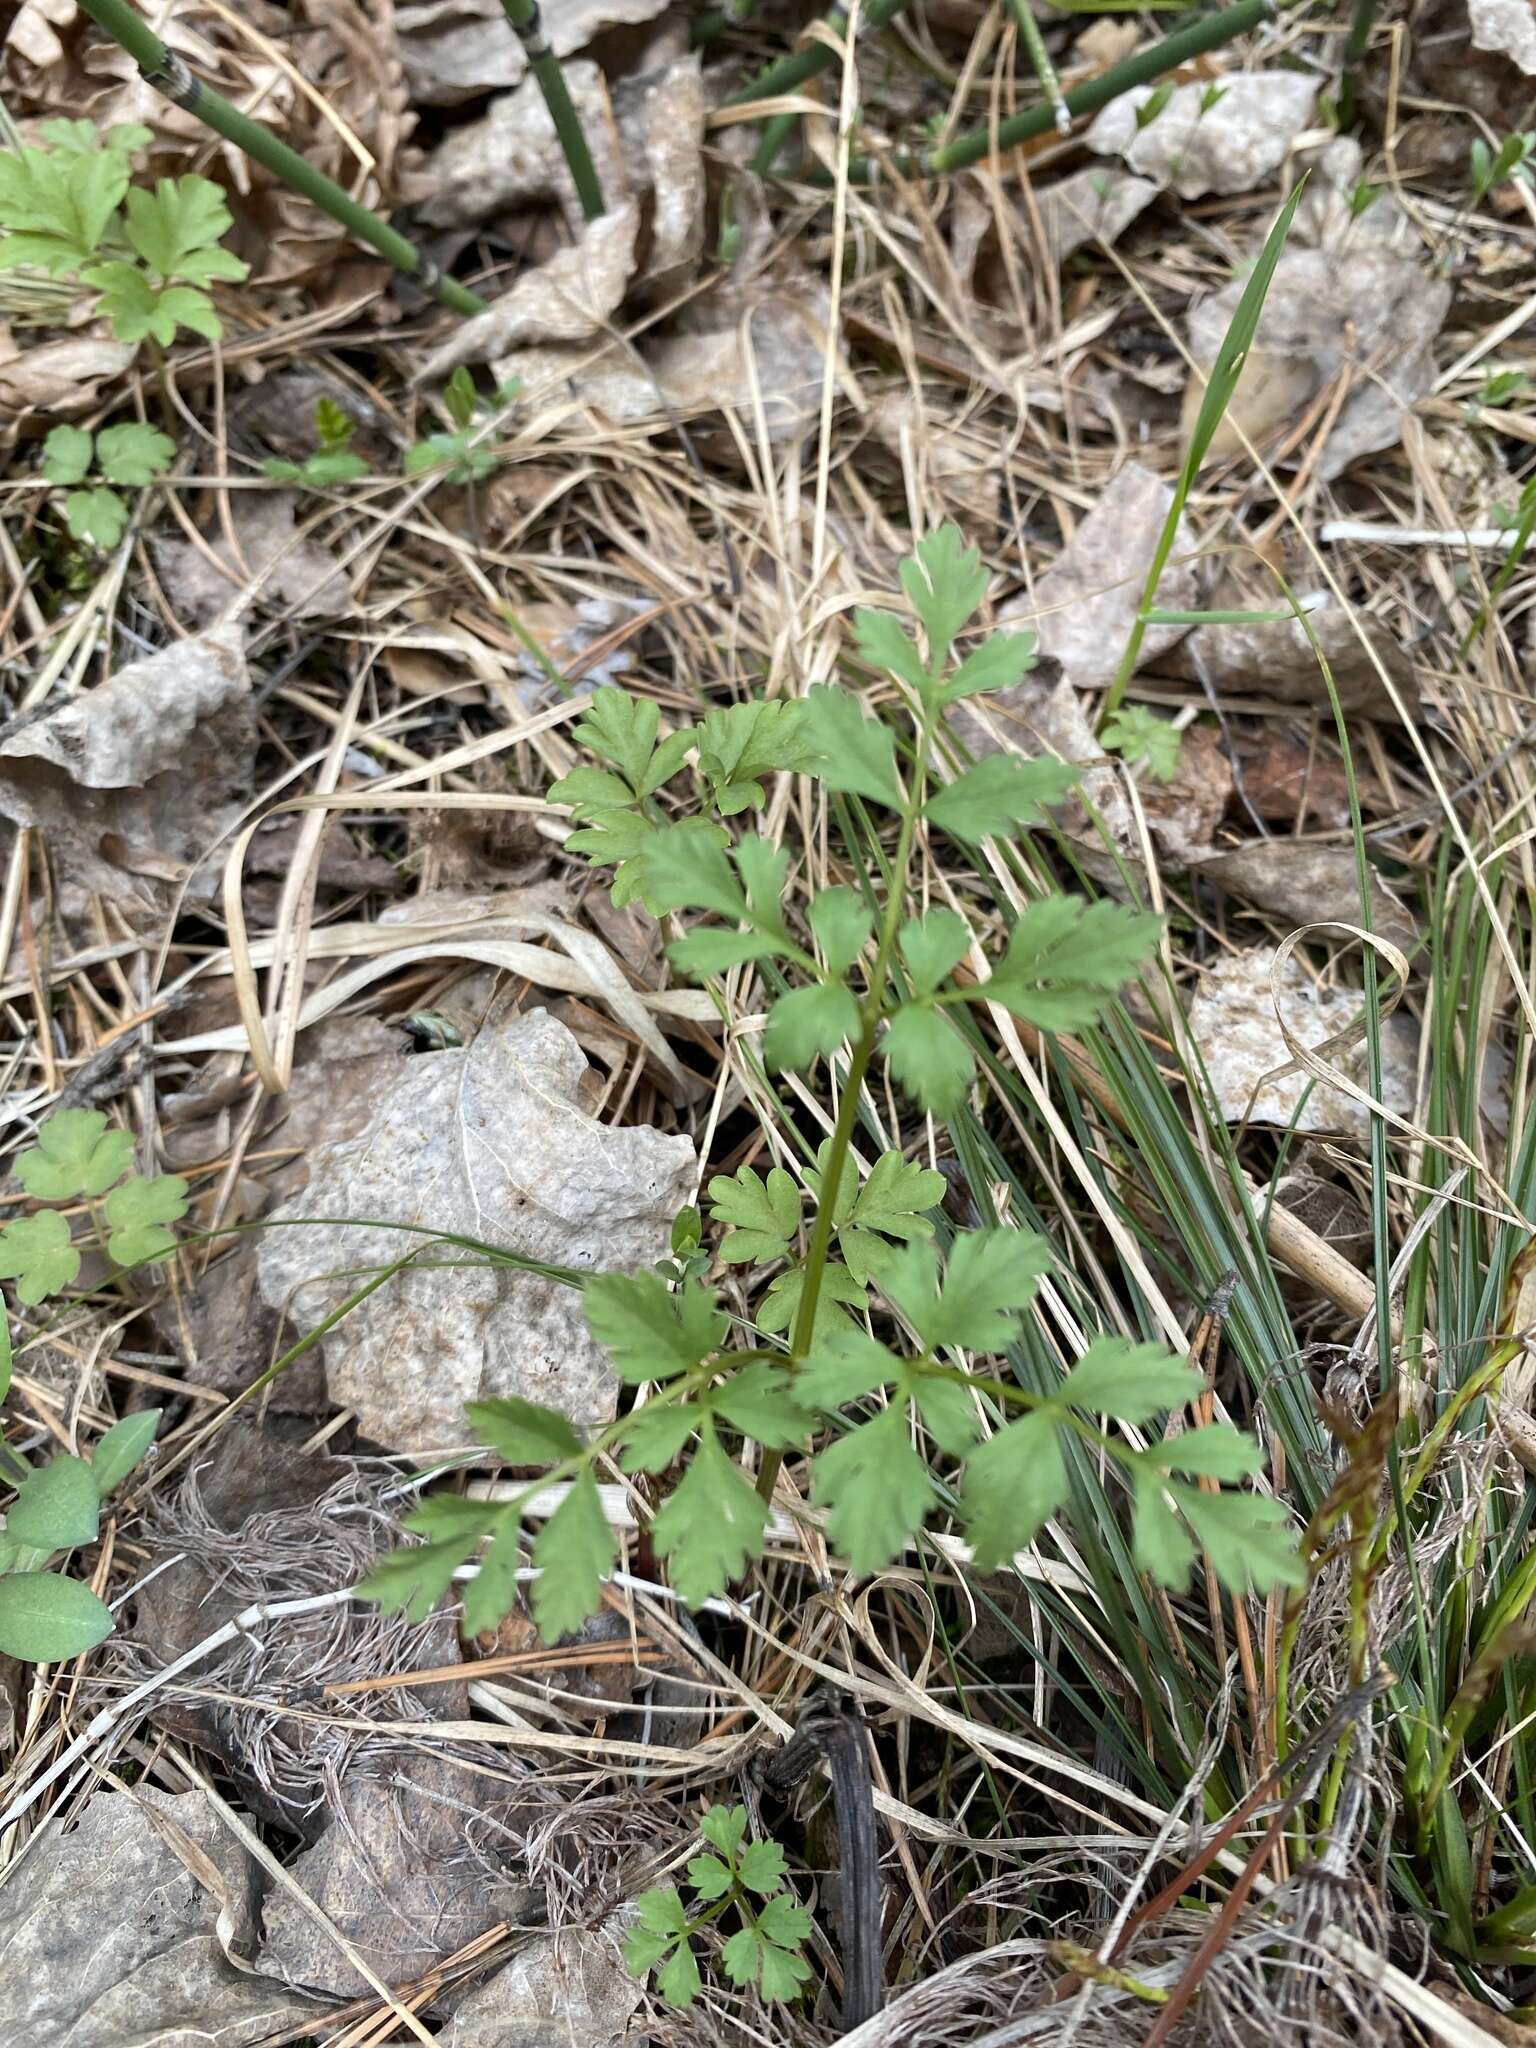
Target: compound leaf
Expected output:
[133,453]
[1131,1382]
[523,1432]
[764,1213]
[998,794]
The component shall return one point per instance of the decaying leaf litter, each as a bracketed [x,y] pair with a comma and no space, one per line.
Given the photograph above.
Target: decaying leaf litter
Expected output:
[288,900]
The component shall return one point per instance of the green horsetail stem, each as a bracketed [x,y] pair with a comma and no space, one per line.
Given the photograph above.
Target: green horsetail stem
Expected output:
[795,70]
[1040,59]
[545,66]
[166,72]
[1209,32]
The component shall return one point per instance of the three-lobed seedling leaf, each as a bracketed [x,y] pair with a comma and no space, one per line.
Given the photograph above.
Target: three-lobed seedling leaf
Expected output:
[132,454]
[455,452]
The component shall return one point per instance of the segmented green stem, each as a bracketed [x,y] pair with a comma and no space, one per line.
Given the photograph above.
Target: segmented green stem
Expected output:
[545,66]
[1040,58]
[166,72]
[1209,32]
[816,56]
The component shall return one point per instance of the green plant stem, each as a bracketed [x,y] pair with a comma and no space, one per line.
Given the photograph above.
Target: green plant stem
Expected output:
[1209,32]
[1040,59]
[775,134]
[708,28]
[545,66]
[1361,24]
[166,72]
[815,57]
[871,1015]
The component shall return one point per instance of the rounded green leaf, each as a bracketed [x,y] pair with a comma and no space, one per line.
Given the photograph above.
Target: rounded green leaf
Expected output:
[44,1617]
[57,1507]
[122,1449]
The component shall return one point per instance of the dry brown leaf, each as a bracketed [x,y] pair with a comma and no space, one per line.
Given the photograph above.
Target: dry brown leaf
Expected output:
[486,1141]
[661,122]
[1288,783]
[1085,604]
[133,783]
[512,157]
[1231,147]
[1301,882]
[776,347]
[54,378]
[300,578]
[458,49]
[1369,314]
[569,298]
[1232,1019]
[112,1938]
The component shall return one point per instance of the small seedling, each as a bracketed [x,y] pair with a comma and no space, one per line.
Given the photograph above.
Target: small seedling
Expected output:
[1512,159]
[1139,735]
[70,211]
[453,452]
[1364,197]
[333,460]
[45,1616]
[1500,388]
[132,455]
[1153,104]
[745,1879]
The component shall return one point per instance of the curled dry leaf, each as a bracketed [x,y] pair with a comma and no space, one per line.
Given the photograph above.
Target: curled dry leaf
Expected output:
[486,1141]
[55,379]
[1230,147]
[1232,1020]
[1508,26]
[398,1874]
[1371,317]
[1085,604]
[1301,882]
[1095,205]
[266,562]
[456,50]
[133,784]
[512,157]
[567,299]
[774,347]
[116,1934]
[570,1987]
[647,145]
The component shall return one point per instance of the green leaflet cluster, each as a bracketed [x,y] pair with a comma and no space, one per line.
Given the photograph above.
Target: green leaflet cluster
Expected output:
[869,1349]
[69,209]
[43,1615]
[132,454]
[743,1878]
